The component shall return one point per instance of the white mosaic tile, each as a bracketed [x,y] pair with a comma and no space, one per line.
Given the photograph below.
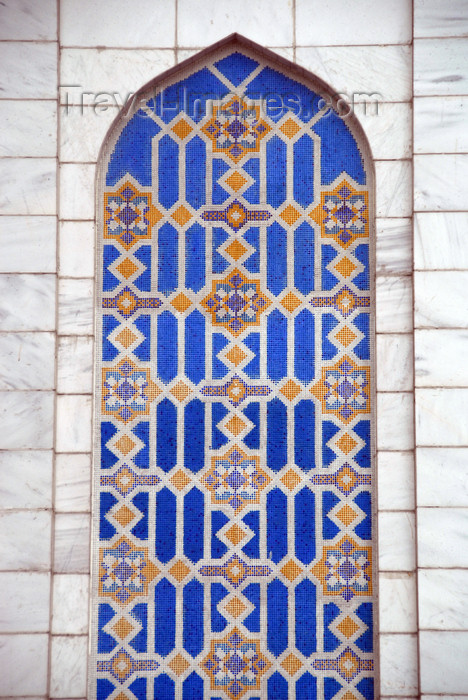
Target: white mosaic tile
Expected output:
[20,551]
[70,601]
[440,241]
[85,23]
[439,182]
[384,71]
[439,124]
[32,649]
[68,667]
[394,297]
[397,602]
[398,665]
[24,603]
[442,538]
[442,476]
[73,423]
[394,247]
[441,66]
[29,128]
[448,611]
[27,243]
[28,302]
[443,662]
[72,483]
[439,357]
[75,307]
[440,299]
[438,414]
[25,479]
[397,541]
[395,480]
[27,361]
[75,365]
[394,356]
[76,249]
[395,421]
[27,420]
[393,188]
[28,186]
[29,70]
[71,543]
[77,191]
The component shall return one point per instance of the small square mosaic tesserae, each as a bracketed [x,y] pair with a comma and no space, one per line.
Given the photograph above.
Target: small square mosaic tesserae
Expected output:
[233,524]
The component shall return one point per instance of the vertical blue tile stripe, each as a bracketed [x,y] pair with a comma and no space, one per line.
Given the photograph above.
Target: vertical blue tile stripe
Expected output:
[277,687]
[195,166]
[306,624]
[168,172]
[304,272]
[277,616]
[306,687]
[168,255]
[277,525]
[304,435]
[304,346]
[193,618]
[166,436]
[277,345]
[167,347]
[195,346]
[166,504]
[164,687]
[195,256]
[276,154]
[194,521]
[304,509]
[277,434]
[194,431]
[304,171]
[164,617]
[276,259]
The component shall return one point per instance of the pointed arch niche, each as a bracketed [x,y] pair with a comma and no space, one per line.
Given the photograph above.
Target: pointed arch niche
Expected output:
[234,502]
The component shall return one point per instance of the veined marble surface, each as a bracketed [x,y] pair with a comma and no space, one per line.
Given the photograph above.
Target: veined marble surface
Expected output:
[439,357]
[70,604]
[27,419]
[32,649]
[450,610]
[69,658]
[440,299]
[397,541]
[394,247]
[440,241]
[29,128]
[25,602]
[25,479]
[442,476]
[27,243]
[75,300]
[397,602]
[28,302]
[28,20]
[395,480]
[439,182]
[441,66]
[73,423]
[28,186]
[76,249]
[399,665]
[447,651]
[434,18]
[440,124]
[71,543]
[440,417]
[29,70]
[27,361]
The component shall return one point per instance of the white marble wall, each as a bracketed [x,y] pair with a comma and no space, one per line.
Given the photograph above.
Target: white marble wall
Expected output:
[48,151]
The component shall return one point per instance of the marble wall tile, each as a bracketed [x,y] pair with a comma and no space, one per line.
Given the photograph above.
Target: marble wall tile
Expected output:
[424,696]
[398,665]
[393,196]
[193,29]
[440,299]
[73,423]
[370,70]
[27,20]
[442,476]
[394,362]
[440,241]
[108,76]
[29,71]
[24,603]
[442,538]
[82,131]
[72,483]
[443,662]
[29,128]
[431,18]
[70,604]
[394,296]
[439,124]
[388,128]
[75,365]
[20,550]
[439,182]
[75,307]
[438,413]
[395,480]
[397,541]
[68,667]
[25,479]
[29,186]
[71,543]
[28,302]
[27,420]
[395,421]
[76,248]
[448,611]
[383,23]
[27,361]
[77,191]
[27,243]
[397,602]
[394,247]
[85,23]
[441,66]
[30,676]
[439,357]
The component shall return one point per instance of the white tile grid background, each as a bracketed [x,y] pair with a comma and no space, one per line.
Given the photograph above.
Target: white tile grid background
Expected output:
[47,157]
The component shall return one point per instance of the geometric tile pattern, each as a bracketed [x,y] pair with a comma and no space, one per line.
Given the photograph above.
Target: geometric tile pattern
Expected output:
[233,492]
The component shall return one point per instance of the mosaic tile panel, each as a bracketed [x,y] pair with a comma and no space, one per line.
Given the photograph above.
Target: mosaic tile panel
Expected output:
[233,493]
